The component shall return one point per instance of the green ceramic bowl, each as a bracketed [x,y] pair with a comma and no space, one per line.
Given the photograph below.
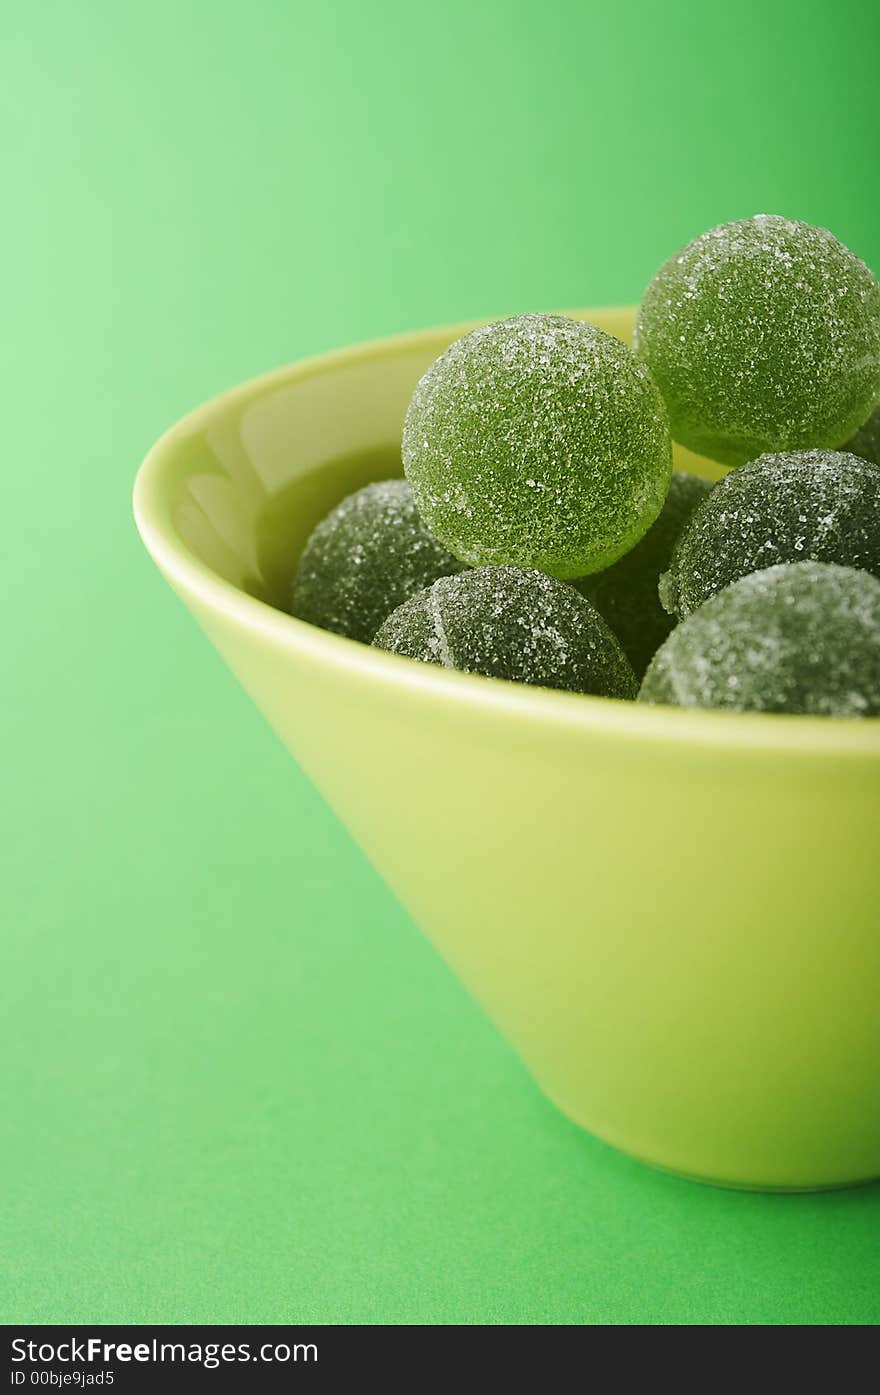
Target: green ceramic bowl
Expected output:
[672,915]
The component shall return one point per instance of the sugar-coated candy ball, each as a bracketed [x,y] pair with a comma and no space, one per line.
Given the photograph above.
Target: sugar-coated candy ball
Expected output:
[763,335]
[802,637]
[866,441]
[626,593]
[814,505]
[538,441]
[364,559]
[509,622]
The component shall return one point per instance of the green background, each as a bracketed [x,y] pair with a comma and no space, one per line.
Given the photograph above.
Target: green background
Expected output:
[237,1084]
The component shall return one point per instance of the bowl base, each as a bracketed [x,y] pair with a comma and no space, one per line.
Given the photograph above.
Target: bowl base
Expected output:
[610,1140]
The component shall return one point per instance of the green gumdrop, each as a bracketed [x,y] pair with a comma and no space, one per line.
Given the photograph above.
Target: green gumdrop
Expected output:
[815,505]
[763,335]
[866,441]
[371,553]
[802,637]
[540,442]
[508,622]
[626,593]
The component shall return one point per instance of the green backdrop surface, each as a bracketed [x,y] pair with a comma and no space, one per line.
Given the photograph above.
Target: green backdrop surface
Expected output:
[237,1085]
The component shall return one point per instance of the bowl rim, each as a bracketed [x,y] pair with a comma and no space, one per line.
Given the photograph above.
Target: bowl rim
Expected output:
[159,473]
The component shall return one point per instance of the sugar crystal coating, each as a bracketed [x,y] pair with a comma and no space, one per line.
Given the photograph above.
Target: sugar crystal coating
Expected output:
[509,622]
[364,559]
[538,441]
[763,335]
[814,505]
[626,593]
[803,637]
[866,441]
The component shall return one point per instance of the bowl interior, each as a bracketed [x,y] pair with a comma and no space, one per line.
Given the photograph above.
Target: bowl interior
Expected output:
[226,499]
[256,471]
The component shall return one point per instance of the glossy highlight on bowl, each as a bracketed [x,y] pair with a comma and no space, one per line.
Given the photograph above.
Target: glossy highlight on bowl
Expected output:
[672,915]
